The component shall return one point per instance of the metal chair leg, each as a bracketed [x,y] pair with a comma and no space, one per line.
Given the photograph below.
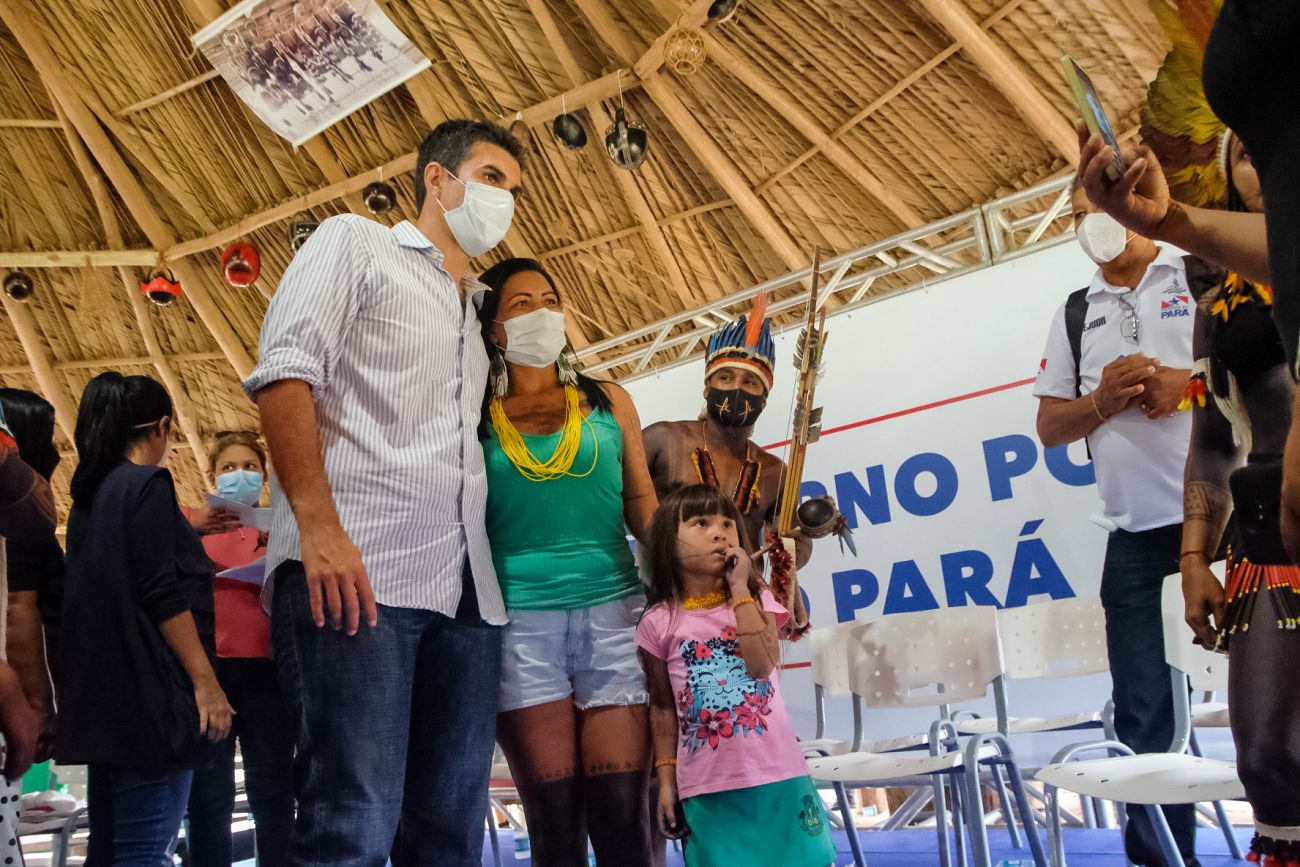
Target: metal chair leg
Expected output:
[493,836]
[941,821]
[1229,835]
[979,835]
[1234,846]
[1089,816]
[1026,814]
[1101,809]
[1168,847]
[1055,846]
[855,845]
[1009,816]
[959,820]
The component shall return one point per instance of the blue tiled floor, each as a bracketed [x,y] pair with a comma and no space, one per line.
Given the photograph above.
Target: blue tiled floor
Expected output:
[1084,848]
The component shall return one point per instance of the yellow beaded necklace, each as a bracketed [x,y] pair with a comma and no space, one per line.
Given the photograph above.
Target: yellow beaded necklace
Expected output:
[708,600]
[566,451]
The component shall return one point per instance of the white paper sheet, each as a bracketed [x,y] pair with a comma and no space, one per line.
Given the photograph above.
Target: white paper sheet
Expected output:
[252,573]
[252,517]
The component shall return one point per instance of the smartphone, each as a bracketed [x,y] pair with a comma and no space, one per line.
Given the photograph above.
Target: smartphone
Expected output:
[1085,97]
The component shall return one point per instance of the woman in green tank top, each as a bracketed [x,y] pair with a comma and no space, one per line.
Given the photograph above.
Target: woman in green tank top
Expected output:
[567,478]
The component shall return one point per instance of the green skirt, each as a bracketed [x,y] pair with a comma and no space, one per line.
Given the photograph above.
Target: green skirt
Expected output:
[779,823]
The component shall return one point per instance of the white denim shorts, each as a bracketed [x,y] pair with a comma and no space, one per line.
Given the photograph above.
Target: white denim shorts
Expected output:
[587,653]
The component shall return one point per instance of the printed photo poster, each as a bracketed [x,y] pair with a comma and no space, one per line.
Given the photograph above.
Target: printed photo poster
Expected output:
[303,65]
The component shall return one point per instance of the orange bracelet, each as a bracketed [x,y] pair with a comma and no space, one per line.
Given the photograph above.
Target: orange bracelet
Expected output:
[665,763]
[741,601]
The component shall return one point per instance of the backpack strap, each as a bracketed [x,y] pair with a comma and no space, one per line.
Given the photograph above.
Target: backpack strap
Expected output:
[1076,310]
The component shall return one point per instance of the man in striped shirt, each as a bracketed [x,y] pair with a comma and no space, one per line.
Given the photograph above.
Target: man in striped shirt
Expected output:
[370,384]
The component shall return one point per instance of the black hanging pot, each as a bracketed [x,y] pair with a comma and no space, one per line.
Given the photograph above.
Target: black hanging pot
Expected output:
[569,130]
[300,230]
[626,142]
[380,197]
[19,286]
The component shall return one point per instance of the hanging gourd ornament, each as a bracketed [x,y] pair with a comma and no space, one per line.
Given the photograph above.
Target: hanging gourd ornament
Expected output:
[19,286]
[626,142]
[722,11]
[568,129]
[240,265]
[380,197]
[300,230]
[161,287]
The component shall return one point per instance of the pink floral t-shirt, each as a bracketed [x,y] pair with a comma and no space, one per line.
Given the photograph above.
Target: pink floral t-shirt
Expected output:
[733,730]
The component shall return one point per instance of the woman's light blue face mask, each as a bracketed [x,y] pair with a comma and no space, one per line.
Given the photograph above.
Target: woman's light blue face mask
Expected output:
[241,486]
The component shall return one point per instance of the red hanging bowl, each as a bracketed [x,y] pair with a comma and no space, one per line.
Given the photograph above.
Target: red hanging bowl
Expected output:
[241,265]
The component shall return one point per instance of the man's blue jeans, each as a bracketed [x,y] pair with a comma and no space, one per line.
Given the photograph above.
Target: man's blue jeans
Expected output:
[1131,582]
[394,726]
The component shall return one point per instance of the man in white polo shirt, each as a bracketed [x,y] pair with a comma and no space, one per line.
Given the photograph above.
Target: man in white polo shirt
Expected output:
[1118,356]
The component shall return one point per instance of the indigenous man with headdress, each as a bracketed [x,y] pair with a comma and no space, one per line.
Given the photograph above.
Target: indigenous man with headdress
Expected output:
[718,448]
[1234,464]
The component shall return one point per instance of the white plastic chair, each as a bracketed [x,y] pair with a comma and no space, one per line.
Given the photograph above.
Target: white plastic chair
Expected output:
[1057,639]
[827,642]
[1151,779]
[62,826]
[924,660]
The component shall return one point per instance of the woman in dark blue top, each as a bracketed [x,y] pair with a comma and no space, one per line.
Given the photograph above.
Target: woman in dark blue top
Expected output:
[138,697]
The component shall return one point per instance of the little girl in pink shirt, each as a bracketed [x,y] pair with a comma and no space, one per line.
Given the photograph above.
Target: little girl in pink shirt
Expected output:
[732,776]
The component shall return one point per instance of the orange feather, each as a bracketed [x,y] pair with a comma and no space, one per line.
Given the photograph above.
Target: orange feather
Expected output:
[754,327]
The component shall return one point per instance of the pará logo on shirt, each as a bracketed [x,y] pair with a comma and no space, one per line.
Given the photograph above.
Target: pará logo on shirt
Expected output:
[1176,305]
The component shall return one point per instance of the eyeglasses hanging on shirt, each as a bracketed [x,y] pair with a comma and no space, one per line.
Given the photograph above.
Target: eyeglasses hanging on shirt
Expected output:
[1130,327]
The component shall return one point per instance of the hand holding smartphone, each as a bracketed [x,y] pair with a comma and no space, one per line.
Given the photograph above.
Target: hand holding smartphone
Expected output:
[1089,103]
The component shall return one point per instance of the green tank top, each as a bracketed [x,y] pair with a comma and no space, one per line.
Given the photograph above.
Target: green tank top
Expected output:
[561,544]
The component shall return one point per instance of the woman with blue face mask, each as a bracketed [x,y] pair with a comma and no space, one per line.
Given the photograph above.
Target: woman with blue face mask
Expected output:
[245,671]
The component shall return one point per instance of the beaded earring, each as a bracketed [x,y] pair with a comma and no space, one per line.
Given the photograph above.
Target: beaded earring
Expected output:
[498,376]
[568,376]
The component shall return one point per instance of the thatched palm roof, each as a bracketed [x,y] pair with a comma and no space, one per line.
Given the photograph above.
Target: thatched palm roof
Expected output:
[812,122]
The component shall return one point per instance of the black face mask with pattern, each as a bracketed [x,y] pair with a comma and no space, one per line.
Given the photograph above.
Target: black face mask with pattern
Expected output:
[734,407]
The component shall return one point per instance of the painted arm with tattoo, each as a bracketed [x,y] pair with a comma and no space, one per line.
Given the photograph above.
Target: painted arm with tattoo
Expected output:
[1207,504]
[663,742]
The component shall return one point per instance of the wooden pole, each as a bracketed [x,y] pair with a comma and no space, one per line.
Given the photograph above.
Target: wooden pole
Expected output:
[1007,77]
[725,172]
[857,171]
[20,315]
[183,87]
[78,258]
[185,417]
[115,361]
[627,184]
[123,180]
[27,123]
[693,134]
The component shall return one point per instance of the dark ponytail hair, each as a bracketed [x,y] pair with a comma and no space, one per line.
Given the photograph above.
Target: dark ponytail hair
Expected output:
[495,278]
[31,420]
[115,411]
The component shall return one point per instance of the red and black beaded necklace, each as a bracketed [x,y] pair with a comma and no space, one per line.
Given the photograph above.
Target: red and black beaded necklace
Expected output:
[746,490]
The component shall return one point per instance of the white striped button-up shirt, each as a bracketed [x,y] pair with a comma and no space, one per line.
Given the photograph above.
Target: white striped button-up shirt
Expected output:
[369,319]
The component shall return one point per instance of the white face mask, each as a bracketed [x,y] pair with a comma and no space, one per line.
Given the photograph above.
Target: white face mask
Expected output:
[535,339]
[482,220]
[1101,237]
